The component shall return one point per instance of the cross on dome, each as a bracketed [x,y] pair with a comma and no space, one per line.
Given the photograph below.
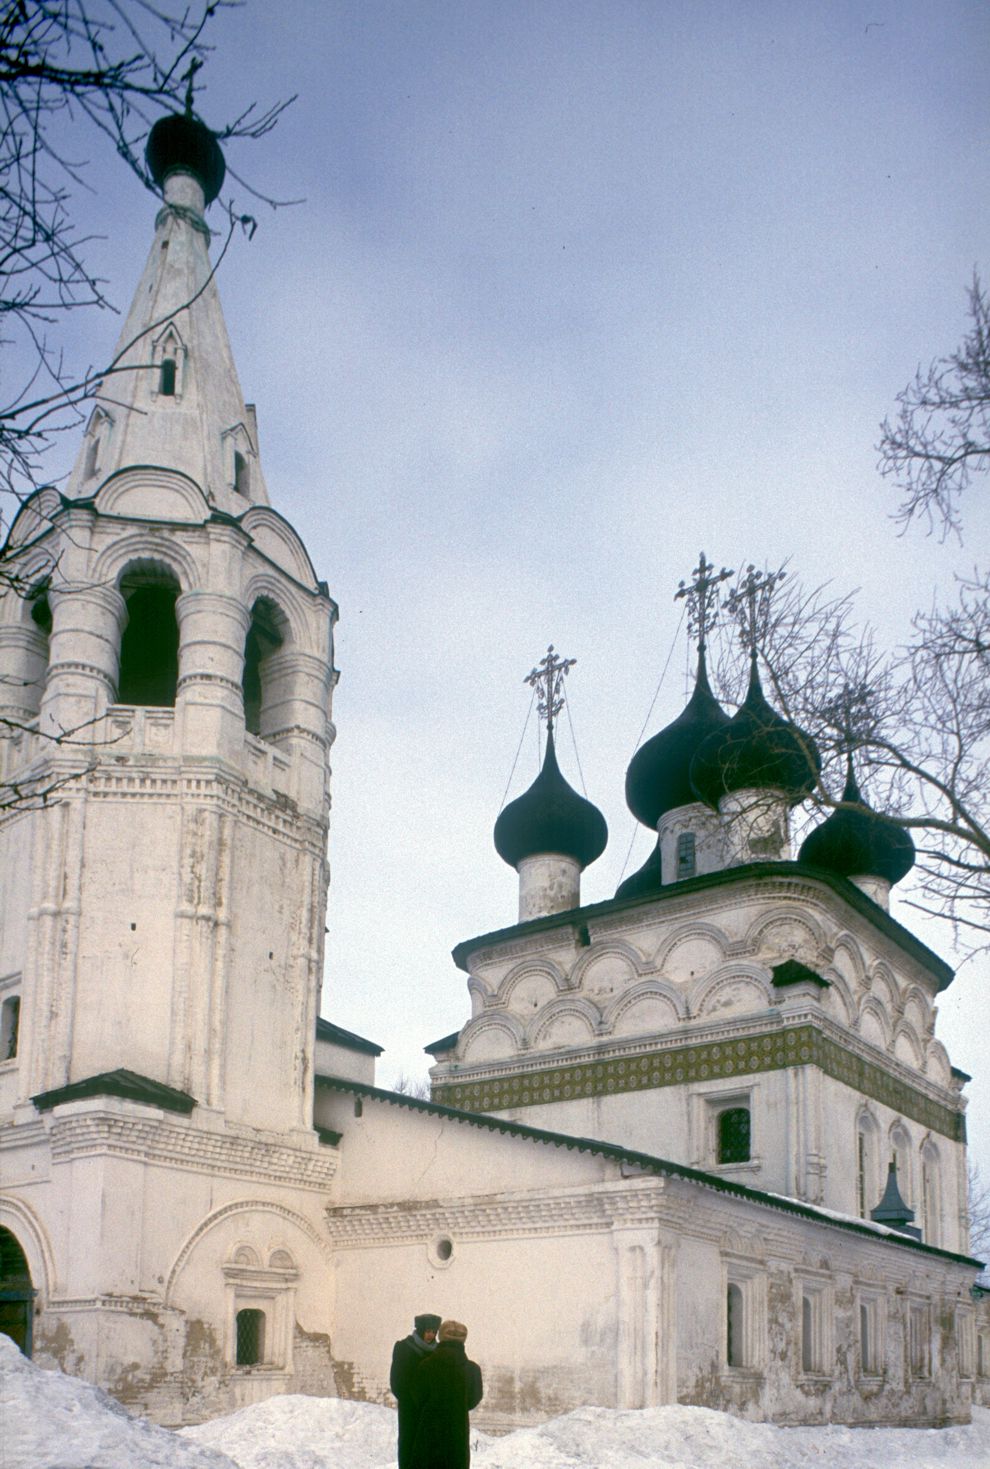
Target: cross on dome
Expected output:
[702,596]
[547,678]
[749,604]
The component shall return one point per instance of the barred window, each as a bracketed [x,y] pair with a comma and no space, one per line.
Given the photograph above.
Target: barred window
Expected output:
[733,1135]
[250,1337]
[686,854]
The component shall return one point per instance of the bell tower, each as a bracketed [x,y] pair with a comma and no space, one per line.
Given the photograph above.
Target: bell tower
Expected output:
[166,672]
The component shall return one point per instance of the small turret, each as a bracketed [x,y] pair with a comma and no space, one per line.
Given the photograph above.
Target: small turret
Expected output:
[861,844]
[892,1210]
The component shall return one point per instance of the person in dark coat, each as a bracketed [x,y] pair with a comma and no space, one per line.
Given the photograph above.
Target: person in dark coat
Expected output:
[407,1354]
[447,1385]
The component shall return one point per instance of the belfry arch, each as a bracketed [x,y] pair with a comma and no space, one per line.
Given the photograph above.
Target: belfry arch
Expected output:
[267,634]
[149,646]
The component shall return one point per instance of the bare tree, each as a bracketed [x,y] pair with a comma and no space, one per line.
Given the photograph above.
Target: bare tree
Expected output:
[979,1216]
[941,435]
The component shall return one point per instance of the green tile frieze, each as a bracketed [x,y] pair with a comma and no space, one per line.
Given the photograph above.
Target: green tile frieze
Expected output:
[712,1061]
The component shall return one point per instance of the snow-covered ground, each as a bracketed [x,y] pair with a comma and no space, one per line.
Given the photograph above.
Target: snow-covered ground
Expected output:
[50,1421]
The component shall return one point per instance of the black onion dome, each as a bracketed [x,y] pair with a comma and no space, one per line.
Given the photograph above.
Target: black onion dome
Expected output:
[643,881]
[756,750]
[859,842]
[550,817]
[182,142]
[657,779]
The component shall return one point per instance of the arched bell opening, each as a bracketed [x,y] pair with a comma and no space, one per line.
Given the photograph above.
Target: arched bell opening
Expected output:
[149,647]
[267,634]
[16,1292]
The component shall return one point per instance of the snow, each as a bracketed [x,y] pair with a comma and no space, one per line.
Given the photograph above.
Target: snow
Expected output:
[50,1421]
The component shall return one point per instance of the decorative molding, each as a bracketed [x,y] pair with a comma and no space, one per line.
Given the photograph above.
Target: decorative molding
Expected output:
[802,1045]
[163,1144]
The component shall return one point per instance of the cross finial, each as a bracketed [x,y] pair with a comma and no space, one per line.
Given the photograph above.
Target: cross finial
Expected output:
[749,604]
[190,77]
[702,598]
[547,678]
[851,714]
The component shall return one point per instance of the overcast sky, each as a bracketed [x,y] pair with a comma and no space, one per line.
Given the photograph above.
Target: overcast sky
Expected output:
[578,288]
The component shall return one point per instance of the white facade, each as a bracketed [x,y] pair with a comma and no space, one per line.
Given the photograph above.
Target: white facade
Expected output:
[205,1198]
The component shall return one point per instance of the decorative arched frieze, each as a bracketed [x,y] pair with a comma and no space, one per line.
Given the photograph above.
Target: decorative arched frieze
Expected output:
[840,996]
[908,1046]
[232,1211]
[34,518]
[141,548]
[33,1239]
[245,1255]
[693,949]
[873,1024]
[742,1244]
[491,1038]
[938,1067]
[571,1020]
[530,986]
[786,932]
[917,1010]
[148,492]
[606,969]
[849,961]
[734,986]
[884,987]
[645,1008]
[274,537]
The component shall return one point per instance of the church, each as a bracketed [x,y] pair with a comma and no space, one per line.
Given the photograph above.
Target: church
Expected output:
[694,1144]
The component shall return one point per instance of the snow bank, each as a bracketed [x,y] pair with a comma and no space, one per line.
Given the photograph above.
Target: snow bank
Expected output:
[50,1421]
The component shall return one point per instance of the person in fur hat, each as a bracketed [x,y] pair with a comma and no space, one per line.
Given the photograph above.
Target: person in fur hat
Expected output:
[446,1386]
[407,1354]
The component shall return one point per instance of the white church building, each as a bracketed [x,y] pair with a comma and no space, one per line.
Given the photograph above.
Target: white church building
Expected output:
[656,1163]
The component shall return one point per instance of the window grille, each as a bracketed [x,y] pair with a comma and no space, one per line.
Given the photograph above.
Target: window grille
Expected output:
[250,1337]
[733,1135]
[686,854]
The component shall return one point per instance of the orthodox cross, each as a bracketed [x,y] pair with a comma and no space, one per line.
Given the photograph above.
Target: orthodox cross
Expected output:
[749,604]
[190,77]
[547,678]
[702,598]
[851,714]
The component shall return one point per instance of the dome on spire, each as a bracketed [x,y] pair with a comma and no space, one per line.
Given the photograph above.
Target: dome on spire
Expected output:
[550,817]
[756,750]
[657,779]
[859,842]
[181,142]
[646,879]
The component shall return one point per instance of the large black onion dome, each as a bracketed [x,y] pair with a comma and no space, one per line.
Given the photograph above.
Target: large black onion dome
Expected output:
[179,141]
[756,750]
[550,817]
[657,779]
[858,841]
[644,880]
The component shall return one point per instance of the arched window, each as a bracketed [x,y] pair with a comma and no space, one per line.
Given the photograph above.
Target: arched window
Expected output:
[166,379]
[733,1135]
[10,1025]
[931,1202]
[807,1335]
[16,1292]
[250,1337]
[867,1183]
[242,482]
[149,648]
[686,855]
[266,634]
[734,1352]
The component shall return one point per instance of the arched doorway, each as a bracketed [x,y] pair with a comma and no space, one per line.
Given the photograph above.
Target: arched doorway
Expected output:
[16,1292]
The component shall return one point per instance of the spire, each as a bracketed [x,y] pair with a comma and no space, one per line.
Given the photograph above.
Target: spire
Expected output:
[172,399]
[892,1210]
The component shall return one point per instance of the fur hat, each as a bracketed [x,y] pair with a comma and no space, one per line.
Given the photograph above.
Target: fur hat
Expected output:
[427,1323]
[453,1331]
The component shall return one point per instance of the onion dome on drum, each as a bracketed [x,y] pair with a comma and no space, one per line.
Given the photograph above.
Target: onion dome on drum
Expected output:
[181,143]
[756,750]
[856,841]
[658,780]
[550,817]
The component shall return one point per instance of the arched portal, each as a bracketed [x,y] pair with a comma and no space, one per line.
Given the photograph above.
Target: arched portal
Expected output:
[16,1292]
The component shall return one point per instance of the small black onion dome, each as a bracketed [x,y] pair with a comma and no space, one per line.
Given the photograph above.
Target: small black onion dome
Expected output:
[645,880]
[657,779]
[179,141]
[860,842]
[550,817]
[756,750]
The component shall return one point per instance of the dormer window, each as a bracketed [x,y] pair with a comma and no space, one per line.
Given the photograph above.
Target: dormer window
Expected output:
[166,380]
[98,431]
[169,358]
[238,454]
[241,474]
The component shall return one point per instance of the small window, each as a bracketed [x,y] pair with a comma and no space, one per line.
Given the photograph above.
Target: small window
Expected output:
[241,477]
[734,1350]
[166,381]
[807,1334]
[919,1342]
[10,1020]
[250,1337]
[816,1325]
[733,1135]
[686,854]
[869,1337]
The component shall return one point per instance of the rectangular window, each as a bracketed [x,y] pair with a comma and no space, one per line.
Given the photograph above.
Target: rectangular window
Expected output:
[815,1327]
[744,1316]
[10,1024]
[966,1341]
[686,854]
[919,1341]
[871,1345]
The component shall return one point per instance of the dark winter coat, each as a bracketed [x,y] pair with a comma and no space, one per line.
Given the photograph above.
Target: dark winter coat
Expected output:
[447,1386]
[407,1355]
